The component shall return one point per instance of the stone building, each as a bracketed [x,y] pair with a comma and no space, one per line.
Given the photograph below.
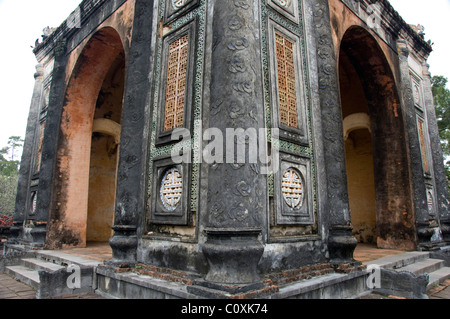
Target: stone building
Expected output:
[232,139]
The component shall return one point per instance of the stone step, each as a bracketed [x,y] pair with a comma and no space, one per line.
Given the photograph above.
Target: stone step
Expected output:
[438,276]
[25,275]
[53,281]
[64,259]
[423,266]
[399,261]
[39,264]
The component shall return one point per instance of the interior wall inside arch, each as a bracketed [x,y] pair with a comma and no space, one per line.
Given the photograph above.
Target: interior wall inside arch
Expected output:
[395,216]
[104,156]
[359,156]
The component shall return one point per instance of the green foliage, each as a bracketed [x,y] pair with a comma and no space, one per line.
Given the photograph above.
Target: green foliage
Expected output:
[9,174]
[441,96]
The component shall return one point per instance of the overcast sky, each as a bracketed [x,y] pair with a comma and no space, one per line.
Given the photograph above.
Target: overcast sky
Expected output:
[22,21]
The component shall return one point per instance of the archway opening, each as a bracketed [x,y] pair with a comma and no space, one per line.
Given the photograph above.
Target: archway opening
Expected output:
[104,154]
[375,139]
[88,145]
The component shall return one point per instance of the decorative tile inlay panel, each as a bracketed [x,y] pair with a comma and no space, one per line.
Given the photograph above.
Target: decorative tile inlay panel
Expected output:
[287,94]
[176,83]
[171,189]
[292,188]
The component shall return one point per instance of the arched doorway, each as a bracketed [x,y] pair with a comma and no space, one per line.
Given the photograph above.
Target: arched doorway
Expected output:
[88,145]
[376,149]
[104,154]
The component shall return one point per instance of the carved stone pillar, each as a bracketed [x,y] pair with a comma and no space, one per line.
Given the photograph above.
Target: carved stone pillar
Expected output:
[341,242]
[26,164]
[236,198]
[425,222]
[37,231]
[130,199]
[441,193]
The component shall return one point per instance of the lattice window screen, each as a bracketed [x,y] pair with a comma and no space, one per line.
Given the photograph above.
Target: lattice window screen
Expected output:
[287,94]
[423,146]
[39,150]
[176,83]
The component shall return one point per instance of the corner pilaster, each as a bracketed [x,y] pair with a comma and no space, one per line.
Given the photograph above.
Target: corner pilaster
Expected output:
[27,157]
[426,223]
[236,197]
[341,242]
[131,176]
[441,193]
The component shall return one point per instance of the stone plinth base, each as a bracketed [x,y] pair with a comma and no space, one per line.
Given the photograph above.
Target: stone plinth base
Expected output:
[233,256]
[314,282]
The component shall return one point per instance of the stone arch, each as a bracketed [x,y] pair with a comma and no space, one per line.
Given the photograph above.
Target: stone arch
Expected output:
[356,121]
[368,86]
[108,127]
[102,59]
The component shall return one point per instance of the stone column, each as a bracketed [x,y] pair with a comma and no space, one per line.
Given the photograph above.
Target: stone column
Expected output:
[237,191]
[441,191]
[26,164]
[49,146]
[341,242]
[424,221]
[131,177]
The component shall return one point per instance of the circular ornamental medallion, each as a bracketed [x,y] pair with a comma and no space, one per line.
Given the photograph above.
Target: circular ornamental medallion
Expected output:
[292,188]
[171,189]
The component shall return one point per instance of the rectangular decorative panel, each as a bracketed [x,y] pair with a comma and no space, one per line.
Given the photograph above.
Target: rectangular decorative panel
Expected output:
[176,87]
[176,83]
[293,191]
[288,87]
[170,193]
[39,148]
[416,84]
[423,145]
[287,95]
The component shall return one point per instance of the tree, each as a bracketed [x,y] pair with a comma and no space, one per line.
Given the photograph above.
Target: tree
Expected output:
[14,143]
[442,102]
[9,174]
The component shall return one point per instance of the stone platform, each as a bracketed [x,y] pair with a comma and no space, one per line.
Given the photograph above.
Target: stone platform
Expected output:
[324,281]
